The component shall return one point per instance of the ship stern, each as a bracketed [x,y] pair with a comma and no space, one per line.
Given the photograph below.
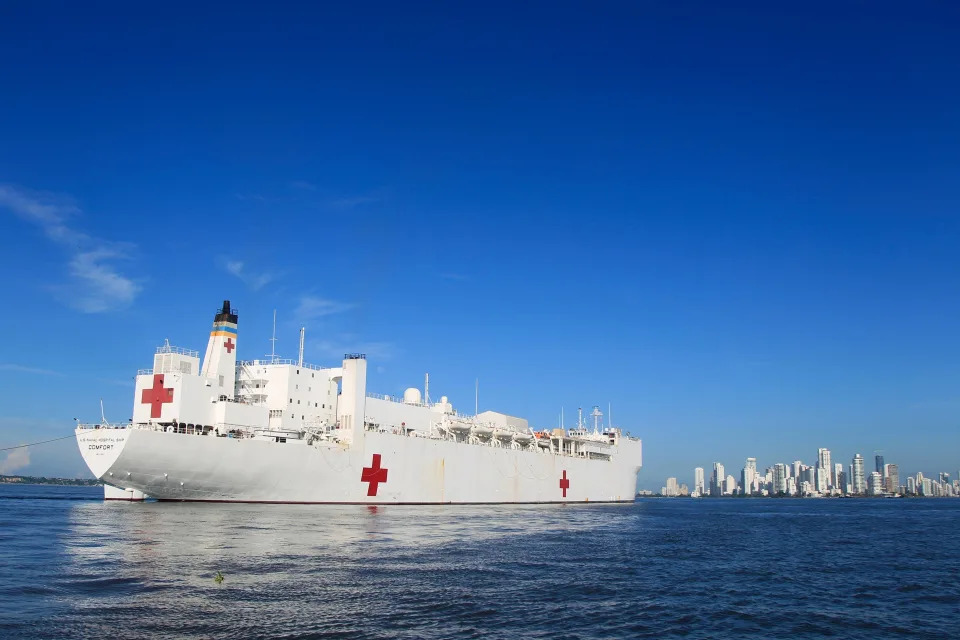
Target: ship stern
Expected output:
[101,445]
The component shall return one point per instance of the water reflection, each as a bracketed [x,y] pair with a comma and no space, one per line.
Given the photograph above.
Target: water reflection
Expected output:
[308,567]
[93,570]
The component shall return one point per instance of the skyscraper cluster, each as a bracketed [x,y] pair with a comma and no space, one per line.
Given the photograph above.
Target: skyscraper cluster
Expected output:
[823,478]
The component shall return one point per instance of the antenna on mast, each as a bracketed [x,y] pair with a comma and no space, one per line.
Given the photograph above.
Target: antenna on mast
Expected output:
[300,359]
[426,389]
[273,340]
[597,418]
[561,418]
[103,418]
[476,399]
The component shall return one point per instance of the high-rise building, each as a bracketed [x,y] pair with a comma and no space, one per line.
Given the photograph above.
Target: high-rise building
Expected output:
[797,469]
[672,489]
[716,480]
[891,477]
[911,485]
[837,472]
[859,482]
[779,479]
[810,475]
[698,481]
[748,476]
[878,464]
[823,462]
[842,480]
[791,486]
[822,483]
[875,484]
[730,486]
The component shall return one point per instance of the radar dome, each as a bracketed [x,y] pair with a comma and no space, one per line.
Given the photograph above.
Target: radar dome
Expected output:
[411,396]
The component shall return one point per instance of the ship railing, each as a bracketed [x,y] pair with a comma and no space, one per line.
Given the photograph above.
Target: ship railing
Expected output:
[178,350]
[103,425]
[388,398]
[285,361]
[400,400]
[440,431]
[166,369]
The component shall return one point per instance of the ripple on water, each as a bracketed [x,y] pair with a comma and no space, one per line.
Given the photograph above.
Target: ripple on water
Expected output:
[655,569]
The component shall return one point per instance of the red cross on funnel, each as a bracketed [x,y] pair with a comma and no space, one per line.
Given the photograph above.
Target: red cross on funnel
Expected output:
[374,475]
[157,396]
[564,483]
[229,345]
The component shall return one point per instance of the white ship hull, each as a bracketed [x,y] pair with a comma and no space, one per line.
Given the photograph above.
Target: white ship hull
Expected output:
[411,470]
[286,431]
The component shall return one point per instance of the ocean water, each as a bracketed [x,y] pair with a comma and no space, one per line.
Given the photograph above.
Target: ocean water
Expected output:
[72,566]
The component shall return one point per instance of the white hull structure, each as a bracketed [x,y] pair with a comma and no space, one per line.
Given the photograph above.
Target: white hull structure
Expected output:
[278,431]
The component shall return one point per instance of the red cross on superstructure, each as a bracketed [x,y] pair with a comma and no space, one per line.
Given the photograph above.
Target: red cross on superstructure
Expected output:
[157,396]
[374,475]
[229,345]
[564,483]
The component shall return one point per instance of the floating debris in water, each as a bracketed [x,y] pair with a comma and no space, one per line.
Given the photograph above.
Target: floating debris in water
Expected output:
[218,578]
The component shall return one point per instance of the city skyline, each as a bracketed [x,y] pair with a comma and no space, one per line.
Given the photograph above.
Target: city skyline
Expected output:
[822,478]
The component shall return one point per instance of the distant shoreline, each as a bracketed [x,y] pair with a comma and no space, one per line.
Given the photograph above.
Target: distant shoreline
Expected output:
[41,480]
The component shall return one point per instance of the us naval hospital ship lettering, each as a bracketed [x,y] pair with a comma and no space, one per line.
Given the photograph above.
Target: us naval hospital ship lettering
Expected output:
[285,431]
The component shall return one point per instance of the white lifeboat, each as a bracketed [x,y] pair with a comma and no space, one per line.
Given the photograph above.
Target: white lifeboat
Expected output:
[482,430]
[459,427]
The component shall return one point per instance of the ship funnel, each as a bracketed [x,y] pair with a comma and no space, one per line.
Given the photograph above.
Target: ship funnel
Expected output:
[220,360]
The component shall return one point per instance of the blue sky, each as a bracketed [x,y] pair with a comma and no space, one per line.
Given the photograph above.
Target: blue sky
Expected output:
[737,225]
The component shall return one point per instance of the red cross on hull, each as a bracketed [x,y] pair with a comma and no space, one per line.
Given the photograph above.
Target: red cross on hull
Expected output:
[229,345]
[373,474]
[564,483]
[157,396]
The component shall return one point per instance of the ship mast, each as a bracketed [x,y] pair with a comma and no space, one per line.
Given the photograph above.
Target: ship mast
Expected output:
[300,359]
[597,415]
[273,340]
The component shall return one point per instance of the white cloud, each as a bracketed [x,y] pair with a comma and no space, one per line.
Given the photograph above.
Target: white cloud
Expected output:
[104,288]
[19,368]
[255,281]
[16,459]
[312,307]
[95,284]
[130,382]
[304,185]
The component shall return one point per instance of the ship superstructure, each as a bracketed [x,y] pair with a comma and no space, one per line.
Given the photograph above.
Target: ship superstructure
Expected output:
[276,430]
